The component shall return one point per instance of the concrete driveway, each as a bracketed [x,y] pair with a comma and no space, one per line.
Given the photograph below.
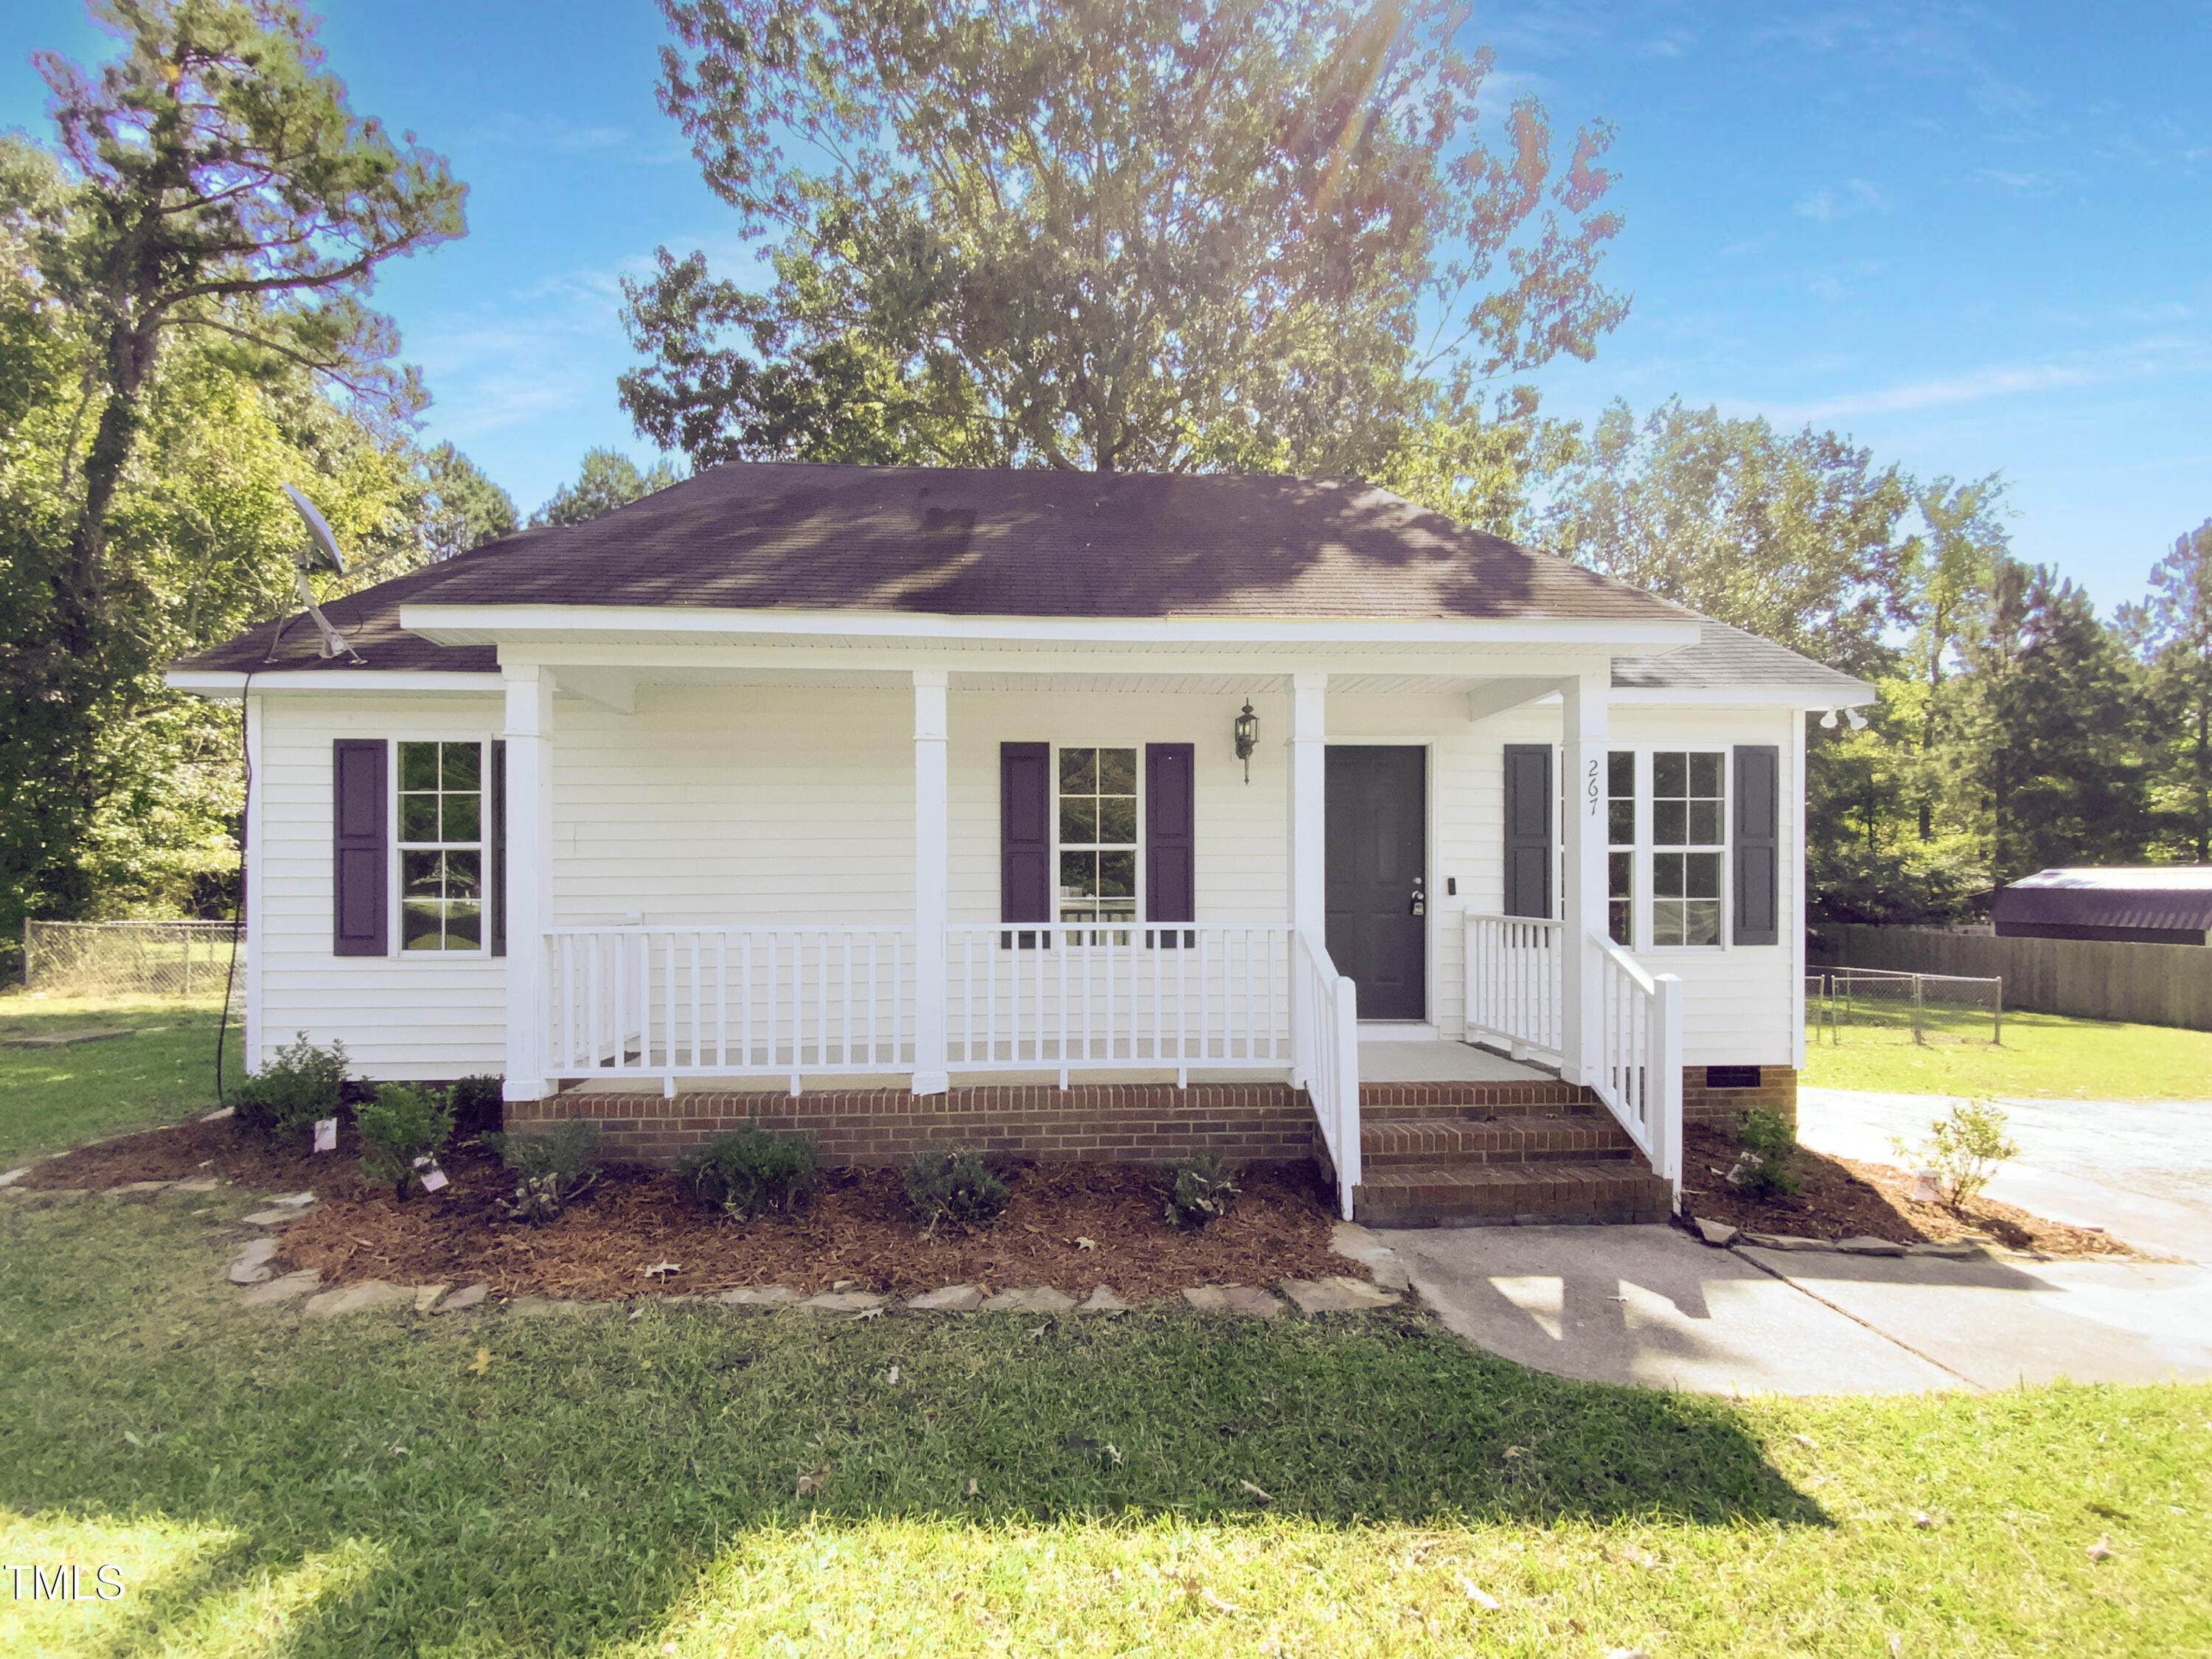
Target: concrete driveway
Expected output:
[1653,1306]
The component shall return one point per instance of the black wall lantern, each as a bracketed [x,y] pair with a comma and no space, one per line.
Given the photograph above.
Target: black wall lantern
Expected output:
[1248,736]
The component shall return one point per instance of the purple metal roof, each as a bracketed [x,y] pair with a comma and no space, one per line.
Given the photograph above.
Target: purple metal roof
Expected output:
[2176,897]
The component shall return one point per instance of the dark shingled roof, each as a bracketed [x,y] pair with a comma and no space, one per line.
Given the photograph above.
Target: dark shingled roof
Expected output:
[950,542]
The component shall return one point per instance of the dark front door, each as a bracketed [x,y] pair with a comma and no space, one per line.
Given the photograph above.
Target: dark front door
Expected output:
[1377,858]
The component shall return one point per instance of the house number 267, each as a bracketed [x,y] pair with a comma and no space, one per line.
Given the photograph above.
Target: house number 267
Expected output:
[1593,790]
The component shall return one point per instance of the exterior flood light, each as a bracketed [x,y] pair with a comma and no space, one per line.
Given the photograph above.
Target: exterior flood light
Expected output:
[1248,736]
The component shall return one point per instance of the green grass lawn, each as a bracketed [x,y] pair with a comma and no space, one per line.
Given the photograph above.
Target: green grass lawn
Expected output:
[596,1484]
[51,1099]
[2041,1055]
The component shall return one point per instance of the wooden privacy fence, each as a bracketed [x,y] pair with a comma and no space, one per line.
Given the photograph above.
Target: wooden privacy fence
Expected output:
[2088,979]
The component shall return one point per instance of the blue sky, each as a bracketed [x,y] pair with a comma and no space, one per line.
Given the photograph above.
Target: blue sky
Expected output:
[1974,238]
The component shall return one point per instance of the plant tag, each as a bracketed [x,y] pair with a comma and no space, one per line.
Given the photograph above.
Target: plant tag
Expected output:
[1924,1187]
[326,1134]
[433,1180]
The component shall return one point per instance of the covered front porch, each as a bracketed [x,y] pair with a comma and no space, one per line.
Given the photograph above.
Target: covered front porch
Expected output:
[1140,985]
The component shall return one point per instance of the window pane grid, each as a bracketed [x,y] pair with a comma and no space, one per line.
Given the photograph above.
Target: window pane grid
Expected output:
[441,844]
[1099,838]
[1689,813]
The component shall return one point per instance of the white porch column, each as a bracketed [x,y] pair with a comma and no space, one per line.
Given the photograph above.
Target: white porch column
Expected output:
[1309,747]
[931,881]
[1582,716]
[529,737]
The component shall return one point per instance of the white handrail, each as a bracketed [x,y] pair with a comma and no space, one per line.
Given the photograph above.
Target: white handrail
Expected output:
[728,1001]
[1325,1023]
[1042,995]
[1516,977]
[1639,1075]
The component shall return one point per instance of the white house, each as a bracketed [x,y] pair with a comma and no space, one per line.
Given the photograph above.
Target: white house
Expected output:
[1065,814]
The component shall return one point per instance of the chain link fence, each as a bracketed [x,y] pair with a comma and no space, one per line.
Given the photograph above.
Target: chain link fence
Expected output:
[131,958]
[1881,1005]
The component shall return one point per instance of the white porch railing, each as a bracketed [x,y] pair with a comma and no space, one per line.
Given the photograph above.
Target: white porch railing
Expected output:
[1516,974]
[1047,996]
[1326,1026]
[1640,1074]
[1517,989]
[670,1002]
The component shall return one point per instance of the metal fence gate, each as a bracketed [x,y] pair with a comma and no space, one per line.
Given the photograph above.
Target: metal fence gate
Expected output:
[131,958]
[1881,1005]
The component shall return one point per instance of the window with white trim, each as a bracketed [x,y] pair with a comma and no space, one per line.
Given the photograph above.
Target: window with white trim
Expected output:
[1689,845]
[438,846]
[1620,846]
[1098,842]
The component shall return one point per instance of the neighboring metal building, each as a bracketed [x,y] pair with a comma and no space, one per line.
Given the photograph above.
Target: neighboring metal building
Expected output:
[2150,905]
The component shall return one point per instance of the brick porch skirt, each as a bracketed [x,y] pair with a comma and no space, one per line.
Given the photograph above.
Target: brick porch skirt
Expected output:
[1245,1122]
[1775,1091]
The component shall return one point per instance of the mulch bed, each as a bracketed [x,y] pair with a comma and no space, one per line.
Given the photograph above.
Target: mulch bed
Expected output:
[854,1225]
[1843,1198]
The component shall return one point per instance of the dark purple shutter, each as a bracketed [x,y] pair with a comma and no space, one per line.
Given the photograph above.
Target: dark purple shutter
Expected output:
[1757,848]
[1025,881]
[1528,830]
[360,857]
[1171,840]
[499,847]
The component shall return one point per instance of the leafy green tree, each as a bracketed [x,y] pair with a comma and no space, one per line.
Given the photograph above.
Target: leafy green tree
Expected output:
[2172,633]
[2049,761]
[459,508]
[606,480]
[1946,577]
[1795,538]
[1262,234]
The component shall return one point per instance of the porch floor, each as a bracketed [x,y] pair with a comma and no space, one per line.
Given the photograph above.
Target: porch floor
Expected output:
[1387,1061]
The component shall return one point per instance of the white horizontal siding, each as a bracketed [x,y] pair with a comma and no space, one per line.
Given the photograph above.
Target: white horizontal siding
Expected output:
[400,1017]
[774,805]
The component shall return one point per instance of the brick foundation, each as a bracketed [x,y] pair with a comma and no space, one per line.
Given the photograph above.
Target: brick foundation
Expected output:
[1245,1122]
[1776,1092]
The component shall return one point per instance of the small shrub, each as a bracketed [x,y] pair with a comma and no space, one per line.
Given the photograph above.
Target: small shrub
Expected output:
[1198,1189]
[551,1167]
[478,1105]
[302,1084]
[399,1126]
[1768,1143]
[954,1185]
[1963,1149]
[750,1171]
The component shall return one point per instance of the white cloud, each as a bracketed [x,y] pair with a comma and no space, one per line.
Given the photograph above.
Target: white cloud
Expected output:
[1972,386]
[1854,196]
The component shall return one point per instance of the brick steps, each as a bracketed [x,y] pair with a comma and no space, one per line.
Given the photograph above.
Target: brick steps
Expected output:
[1519,1138]
[1506,1195]
[1473,1099]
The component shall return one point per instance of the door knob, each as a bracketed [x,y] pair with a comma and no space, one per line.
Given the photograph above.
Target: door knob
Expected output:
[1419,907]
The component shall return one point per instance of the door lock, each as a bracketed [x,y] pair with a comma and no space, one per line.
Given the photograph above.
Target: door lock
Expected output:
[1420,903]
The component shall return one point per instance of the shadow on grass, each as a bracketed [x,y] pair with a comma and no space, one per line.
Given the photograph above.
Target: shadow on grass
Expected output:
[561,1482]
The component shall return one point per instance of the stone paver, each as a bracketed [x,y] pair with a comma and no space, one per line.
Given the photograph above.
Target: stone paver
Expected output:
[426,1296]
[14,1176]
[1233,1299]
[250,1264]
[296,1199]
[469,1297]
[1034,1300]
[771,1296]
[130,1188]
[1103,1300]
[1336,1294]
[1869,1246]
[952,1298]
[844,1302]
[271,1217]
[1367,1247]
[1715,1233]
[302,1283]
[204,1184]
[356,1298]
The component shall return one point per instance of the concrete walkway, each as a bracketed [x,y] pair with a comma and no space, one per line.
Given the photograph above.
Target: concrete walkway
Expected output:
[1654,1307]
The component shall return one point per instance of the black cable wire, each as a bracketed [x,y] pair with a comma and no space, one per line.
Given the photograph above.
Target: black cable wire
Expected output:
[245,817]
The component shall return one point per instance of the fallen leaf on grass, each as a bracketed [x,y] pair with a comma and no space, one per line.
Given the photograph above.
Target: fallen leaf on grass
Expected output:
[1113,1452]
[664,1267]
[1264,1497]
[1921,1518]
[894,1374]
[1481,1598]
[971,1488]
[869,1313]
[1215,1601]
[1086,1243]
[1627,1653]
[811,1484]
[1806,1440]
[482,1362]
[2102,1550]
[1638,1557]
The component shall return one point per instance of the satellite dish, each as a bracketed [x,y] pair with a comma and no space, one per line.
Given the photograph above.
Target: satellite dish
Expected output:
[322,554]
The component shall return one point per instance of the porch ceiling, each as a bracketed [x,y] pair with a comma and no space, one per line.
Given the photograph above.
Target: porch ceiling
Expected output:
[590,681]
